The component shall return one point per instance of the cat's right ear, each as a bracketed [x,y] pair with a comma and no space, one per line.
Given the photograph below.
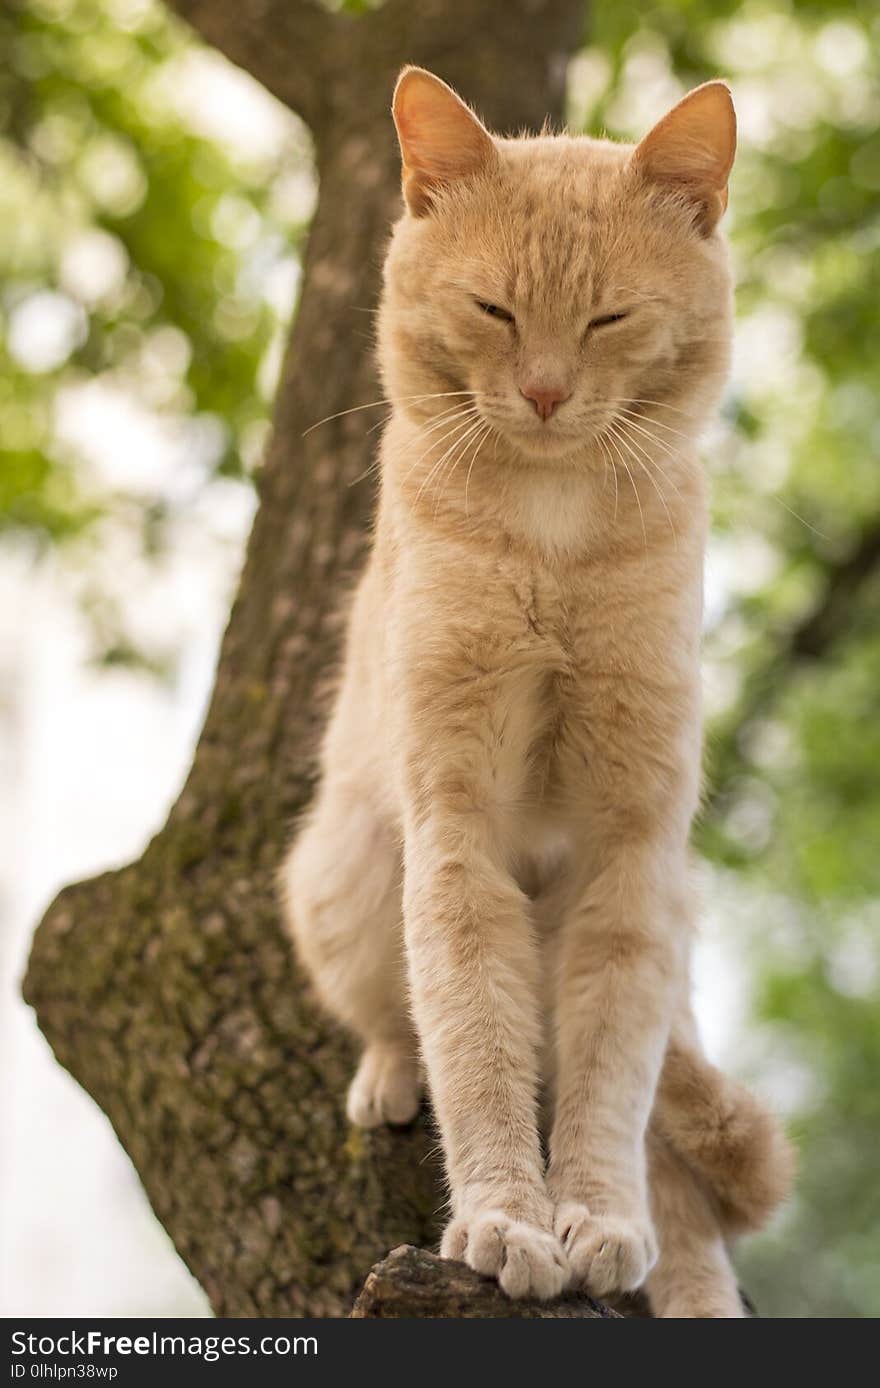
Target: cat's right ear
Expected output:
[692,150]
[441,139]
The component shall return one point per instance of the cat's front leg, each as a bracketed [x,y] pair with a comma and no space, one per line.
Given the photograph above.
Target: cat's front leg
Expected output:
[473,973]
[620,969]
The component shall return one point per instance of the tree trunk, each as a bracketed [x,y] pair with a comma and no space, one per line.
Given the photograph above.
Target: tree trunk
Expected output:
[167,988]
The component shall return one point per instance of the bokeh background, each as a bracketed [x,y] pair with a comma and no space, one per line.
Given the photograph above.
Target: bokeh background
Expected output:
[153,205]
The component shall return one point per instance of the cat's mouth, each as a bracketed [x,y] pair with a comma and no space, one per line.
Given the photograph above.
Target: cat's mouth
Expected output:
[549,444]
[552,440]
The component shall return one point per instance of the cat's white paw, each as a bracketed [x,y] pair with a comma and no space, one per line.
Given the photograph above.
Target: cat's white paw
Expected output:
[606,1253]
[386,1087]
[526,1261]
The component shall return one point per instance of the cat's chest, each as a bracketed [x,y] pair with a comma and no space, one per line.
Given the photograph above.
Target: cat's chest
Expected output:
[551,517]
[559,618]
[581,640]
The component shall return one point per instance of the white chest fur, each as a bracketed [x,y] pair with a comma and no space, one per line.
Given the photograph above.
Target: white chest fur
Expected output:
[552,511]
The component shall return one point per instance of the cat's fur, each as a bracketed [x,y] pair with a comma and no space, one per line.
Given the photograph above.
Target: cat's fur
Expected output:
[494,877]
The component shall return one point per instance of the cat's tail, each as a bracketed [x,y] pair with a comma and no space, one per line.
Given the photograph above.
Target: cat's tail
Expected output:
[720,1129]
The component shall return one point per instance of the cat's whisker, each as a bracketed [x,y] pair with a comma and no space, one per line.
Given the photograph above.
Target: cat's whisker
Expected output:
[646,442]
[432,473]
[477,439]
[638,400]
[454,430]
[605,461]
[658,443]
[627,426]
[601,443]
[385,400]
[650,466]
[612,440]
[455,423]
[638,423]
[449,409]
[471,412]
[367,472]
[440,419]
[437,463]
[635,456]
[487,431]
[444,417]
[450,461]
[467,425]
[803,521]
[373,427]
[457,458]
[659,424]
[616,485]
[448,420]
[604,444]
[638,503]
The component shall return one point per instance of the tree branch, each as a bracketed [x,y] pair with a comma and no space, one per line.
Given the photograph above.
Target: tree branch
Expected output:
[412,1282]
[310,58]
[807,640]
[812,637]
[288,45]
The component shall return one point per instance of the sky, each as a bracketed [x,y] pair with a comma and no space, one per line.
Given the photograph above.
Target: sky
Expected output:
[96,761]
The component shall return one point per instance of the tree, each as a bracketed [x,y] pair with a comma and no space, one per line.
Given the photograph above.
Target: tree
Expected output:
[167,988]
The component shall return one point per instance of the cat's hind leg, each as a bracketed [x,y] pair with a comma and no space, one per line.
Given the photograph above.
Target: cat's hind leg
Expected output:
[341,888]
[386,1087]
[693,1277]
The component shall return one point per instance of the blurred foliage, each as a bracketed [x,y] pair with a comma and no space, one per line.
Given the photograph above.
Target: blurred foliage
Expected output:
[148,251]
[147,269]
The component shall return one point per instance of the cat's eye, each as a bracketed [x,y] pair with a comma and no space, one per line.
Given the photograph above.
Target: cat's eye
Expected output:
[604,319]
[495,311]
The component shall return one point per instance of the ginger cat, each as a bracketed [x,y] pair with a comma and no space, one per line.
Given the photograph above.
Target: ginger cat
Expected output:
[493,882]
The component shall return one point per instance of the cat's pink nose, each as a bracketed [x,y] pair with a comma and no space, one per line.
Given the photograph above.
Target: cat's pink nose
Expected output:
[545,398]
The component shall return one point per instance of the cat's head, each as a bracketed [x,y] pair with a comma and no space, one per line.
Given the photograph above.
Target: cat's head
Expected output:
[558,279]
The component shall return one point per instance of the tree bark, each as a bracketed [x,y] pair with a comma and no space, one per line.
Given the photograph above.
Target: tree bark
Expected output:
[411,1282]
[167,988]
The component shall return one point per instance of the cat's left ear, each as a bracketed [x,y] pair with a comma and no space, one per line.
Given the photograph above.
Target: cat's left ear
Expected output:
[692,149]
[441,140]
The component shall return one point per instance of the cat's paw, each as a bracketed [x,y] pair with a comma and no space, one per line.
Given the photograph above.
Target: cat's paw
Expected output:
[386,1087]
[525,1260]
[606,1253]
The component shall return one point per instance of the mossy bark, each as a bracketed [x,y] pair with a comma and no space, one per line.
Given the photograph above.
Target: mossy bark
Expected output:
[412,1282]
[167,988]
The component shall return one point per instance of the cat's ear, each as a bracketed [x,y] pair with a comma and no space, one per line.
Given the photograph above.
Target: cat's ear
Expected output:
[692,149]
[441,140]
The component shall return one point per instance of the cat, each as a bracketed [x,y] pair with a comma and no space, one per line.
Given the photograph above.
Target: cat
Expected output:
[493,884]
